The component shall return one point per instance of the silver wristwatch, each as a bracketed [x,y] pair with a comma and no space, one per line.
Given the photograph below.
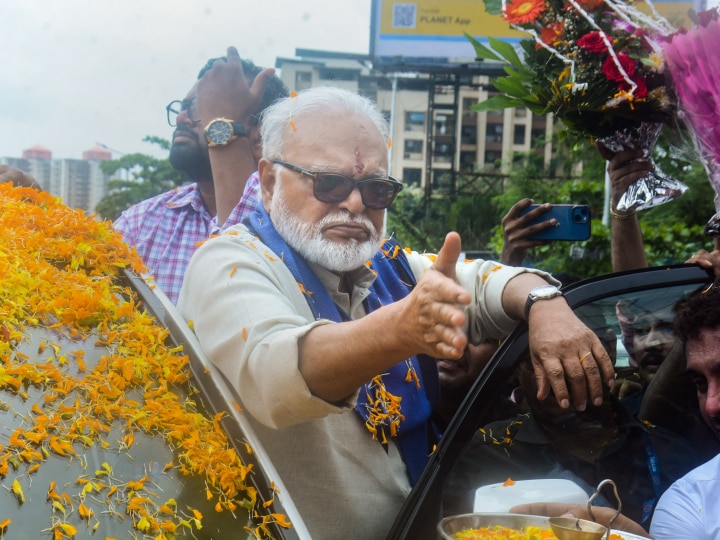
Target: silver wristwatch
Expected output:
[543,292]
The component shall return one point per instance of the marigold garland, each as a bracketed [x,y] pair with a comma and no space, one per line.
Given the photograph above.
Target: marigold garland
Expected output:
[59,271]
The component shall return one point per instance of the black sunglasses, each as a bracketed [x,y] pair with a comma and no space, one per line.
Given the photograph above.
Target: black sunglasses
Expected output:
[377,193]
[176,107]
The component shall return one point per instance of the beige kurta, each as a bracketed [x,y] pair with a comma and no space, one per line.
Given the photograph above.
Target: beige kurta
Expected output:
[249,313]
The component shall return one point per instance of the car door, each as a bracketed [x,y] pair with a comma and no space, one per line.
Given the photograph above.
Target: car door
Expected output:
[494,435]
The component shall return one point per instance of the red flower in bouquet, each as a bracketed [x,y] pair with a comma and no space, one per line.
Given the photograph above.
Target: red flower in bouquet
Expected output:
[592,63]
[640,91]
[618,68]
[587,5]
[593,42]
[524,11]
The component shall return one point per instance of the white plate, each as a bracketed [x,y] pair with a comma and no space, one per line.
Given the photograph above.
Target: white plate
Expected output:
[500,498]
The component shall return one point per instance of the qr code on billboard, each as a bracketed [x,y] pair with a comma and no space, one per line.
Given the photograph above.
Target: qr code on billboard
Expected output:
[404,15]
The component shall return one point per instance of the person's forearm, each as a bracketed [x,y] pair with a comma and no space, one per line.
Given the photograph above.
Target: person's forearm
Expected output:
[516,293]
[231,166]
[627,251]
[336,359]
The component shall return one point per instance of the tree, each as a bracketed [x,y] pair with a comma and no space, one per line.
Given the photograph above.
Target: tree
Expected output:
[145,177]
[423,225]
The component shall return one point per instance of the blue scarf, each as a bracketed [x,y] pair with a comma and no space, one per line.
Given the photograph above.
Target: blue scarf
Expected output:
[415,380]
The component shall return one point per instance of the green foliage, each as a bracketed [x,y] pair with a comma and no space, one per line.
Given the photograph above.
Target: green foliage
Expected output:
[672,232]
[137,177]
[672,243]
[423,226]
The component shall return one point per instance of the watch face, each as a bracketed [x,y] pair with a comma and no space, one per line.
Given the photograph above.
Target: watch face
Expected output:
[544,291]
[219,132]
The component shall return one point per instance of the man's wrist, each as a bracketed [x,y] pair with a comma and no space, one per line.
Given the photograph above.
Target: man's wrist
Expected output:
[540,293]
[621,216]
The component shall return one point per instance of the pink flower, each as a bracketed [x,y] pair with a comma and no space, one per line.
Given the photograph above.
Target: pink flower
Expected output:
[706,17]
[611,71]
[622,26]
[593,42]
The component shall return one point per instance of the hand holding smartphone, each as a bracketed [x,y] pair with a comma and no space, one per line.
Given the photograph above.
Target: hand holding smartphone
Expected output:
[573,222]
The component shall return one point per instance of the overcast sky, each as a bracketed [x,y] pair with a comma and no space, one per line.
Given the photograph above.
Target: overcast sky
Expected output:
[77,72]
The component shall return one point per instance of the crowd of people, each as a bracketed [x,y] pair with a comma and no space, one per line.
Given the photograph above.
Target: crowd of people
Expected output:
[350,354]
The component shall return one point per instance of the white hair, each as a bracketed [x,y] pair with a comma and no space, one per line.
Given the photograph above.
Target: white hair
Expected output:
[277,119]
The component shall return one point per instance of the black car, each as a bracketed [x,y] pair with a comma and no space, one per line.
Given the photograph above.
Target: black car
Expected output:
[497,438]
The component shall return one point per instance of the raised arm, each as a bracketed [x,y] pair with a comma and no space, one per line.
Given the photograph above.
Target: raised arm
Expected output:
[224,92]
[627,250]
[430,320]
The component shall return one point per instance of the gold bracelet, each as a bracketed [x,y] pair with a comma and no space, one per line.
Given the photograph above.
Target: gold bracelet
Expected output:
[622,217]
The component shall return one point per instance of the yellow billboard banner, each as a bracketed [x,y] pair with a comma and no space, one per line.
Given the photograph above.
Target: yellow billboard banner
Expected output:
[433,30]
[442,18]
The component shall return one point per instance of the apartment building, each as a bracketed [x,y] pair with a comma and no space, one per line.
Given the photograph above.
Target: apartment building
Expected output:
[436,136]
[80,183]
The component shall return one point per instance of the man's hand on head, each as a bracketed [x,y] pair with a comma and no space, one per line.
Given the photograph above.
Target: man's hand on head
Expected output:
[224,91]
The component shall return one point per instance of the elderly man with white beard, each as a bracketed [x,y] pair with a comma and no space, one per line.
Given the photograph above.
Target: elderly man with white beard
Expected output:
[328,340]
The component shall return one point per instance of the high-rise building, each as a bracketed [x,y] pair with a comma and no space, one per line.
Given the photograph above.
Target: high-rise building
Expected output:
[80,183]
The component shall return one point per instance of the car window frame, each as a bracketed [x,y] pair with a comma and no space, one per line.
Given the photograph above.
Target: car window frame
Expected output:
[418,518]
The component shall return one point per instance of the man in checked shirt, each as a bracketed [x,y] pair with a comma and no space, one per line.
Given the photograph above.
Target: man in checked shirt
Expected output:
[166,229]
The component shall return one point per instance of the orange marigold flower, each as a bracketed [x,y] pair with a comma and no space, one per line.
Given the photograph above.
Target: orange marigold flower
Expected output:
[524,11]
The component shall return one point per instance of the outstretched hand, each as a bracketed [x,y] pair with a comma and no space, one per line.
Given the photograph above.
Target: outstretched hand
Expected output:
[223,91]
[433,318]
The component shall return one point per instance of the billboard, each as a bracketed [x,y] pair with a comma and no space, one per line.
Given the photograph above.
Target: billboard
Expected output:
[407,33]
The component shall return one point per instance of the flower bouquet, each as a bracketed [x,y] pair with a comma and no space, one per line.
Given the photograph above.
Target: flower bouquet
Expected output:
[595,64]
[693,60]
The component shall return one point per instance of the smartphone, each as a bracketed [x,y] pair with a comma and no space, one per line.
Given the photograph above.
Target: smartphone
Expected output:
[573,222]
